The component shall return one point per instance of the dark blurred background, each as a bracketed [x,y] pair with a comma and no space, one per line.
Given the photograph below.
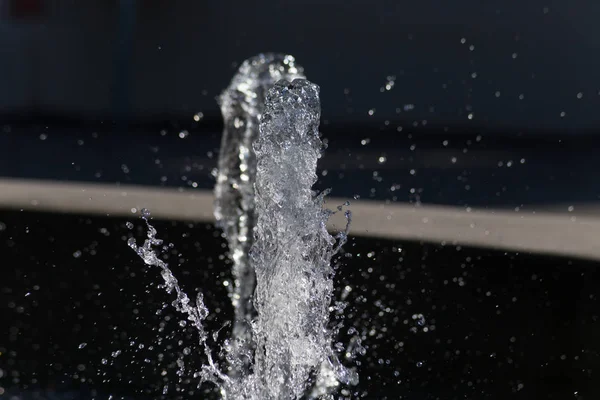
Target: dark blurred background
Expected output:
[515,65]
[458,103]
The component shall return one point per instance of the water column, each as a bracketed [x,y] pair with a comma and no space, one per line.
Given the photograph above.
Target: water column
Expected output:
[242,105]
[293,249]
[276,226]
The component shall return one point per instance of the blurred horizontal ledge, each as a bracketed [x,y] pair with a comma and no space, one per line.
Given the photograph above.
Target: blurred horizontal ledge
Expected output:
[546,232]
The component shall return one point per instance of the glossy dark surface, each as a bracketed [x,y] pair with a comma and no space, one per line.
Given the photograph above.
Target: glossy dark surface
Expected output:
[500,325]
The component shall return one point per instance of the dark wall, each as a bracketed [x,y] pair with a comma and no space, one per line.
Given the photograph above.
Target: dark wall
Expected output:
[149,59]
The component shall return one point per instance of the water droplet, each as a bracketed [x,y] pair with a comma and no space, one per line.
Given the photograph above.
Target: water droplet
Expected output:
[419,319]
[82,345]
[131,243]
[183,134]
[390,82]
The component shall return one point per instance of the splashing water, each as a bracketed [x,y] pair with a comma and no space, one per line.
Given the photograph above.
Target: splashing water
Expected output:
[196,313]
[287,345]
[242,105]
[292,250]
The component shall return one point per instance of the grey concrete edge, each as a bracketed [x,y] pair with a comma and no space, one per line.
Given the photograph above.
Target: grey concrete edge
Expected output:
[554,233]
